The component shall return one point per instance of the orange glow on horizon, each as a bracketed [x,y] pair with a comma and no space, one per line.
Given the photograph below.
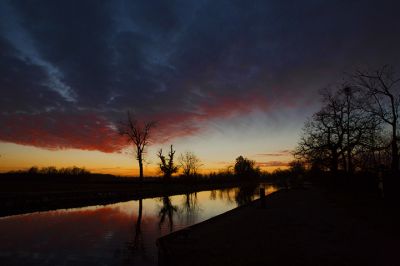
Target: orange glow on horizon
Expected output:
[134,171]
[19,157]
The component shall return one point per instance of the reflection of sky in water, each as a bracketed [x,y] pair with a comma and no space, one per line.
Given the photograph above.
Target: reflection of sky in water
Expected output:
[105,235]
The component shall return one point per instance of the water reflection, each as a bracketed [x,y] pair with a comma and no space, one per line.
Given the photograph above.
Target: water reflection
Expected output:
[190,207]
[213,195]
[239,195]
[167,213]
[246,193]
[137,245]
[225,194]
[116,234]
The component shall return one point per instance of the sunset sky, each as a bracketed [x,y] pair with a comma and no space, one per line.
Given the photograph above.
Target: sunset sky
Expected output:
[222,78]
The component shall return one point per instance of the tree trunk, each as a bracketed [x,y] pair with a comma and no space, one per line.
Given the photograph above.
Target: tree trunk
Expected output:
[344,162]
[334,162]
[349,162]
[395,150]
[140,167]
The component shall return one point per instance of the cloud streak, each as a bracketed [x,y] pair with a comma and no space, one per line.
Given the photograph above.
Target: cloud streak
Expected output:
[276,154]
[272,164]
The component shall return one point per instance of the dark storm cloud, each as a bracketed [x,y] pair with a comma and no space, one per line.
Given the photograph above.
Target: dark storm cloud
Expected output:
[22,84]
[182,62]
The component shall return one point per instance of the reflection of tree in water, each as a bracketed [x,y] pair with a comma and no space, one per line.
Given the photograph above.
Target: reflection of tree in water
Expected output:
[167,212]
[222,194]
[245,194]
[241,195]
[136,246]
[190,207]
[225,194]
[213,195]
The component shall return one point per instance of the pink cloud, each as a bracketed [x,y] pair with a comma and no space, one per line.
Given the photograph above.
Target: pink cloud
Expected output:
[59,130]
[174,125]
[90,131]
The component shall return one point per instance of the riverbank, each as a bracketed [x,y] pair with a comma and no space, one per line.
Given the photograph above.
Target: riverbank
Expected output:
[297,227]
[30,197]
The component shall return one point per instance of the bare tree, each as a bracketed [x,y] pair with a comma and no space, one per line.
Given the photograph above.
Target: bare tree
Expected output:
[189,163]
[323,135]
[138,134]
[360,128]
[383,101]
[167,166]
[338,132]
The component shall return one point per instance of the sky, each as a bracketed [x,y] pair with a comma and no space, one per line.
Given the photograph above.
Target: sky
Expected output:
[221,78]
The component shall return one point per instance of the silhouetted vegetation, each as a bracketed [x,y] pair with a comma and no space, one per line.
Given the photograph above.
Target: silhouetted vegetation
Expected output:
[382,101]
[356,129]
[246,169]
[51,170]
[353,138]
[189,164]
[167,165]
[52,174]
[139,135]
[292,177]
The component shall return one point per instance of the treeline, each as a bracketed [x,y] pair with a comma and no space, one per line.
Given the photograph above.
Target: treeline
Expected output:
[356,130]
[52,174]
[51,170]
[244,169]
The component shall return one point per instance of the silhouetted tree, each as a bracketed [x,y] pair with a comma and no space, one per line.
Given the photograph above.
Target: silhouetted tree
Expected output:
[297,167]
[33,170]
[360,129]
[336,133]
[246,168]
[297,171]
[189,163]
[382,101]
[167,166]
[139,135]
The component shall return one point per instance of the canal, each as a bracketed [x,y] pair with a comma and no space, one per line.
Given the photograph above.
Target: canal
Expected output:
[123,233]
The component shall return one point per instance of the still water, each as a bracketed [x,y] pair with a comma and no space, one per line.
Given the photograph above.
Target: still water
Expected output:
[123,233]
